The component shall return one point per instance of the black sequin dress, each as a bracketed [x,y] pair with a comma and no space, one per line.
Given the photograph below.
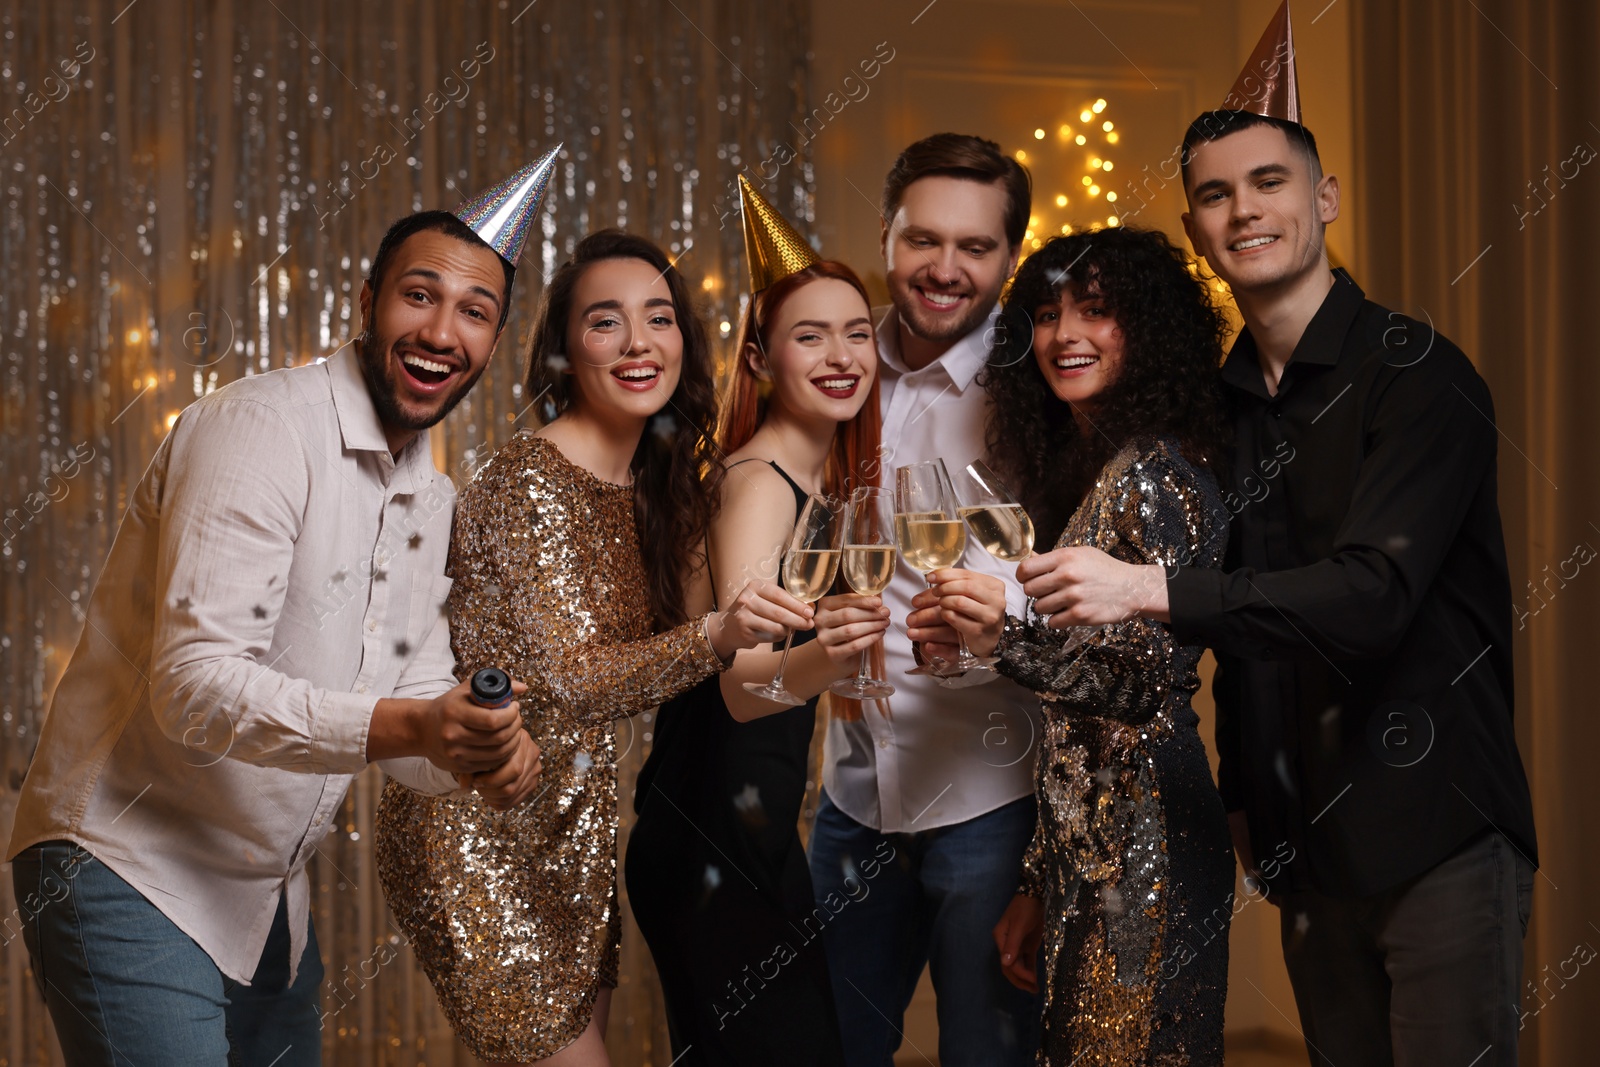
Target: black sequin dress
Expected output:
[1132,853]
[720,887]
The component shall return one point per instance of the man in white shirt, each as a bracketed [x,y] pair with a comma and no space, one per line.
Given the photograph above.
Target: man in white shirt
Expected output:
[270,620]
[944,782]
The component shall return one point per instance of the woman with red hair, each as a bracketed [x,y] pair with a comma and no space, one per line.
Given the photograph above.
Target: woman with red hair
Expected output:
[715,870]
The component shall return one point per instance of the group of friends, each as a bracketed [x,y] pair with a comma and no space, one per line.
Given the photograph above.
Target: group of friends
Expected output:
[1318,507]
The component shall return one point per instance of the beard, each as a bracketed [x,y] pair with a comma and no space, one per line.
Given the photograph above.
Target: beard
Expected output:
[382,384]
[925,325]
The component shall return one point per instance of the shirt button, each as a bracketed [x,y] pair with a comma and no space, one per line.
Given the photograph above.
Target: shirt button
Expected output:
[372,624]
[362,688]
[883,742]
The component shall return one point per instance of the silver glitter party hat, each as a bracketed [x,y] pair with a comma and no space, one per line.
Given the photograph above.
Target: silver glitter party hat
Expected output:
[502,214]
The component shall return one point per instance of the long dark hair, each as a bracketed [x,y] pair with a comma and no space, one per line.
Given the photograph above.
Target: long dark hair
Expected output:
[675,479]
[1168,384]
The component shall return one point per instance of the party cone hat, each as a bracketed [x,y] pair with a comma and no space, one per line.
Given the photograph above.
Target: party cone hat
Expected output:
[503,214]
[773,249]
[1267,84]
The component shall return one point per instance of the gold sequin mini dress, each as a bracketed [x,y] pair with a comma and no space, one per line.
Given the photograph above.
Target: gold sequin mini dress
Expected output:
[514,916]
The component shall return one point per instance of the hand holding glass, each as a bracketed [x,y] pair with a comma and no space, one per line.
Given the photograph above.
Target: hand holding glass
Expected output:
[868,563]
[931,536]
[809,568]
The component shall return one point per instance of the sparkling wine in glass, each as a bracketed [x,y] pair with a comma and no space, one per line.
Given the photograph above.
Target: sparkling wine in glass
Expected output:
[932,535]
[868,561]
[809,568]
[995,517]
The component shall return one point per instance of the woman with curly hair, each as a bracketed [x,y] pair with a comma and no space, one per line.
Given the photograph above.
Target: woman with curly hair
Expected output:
[1107,419]
[573,554]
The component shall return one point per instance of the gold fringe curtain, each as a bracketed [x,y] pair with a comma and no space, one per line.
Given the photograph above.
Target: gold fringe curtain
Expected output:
[191,189]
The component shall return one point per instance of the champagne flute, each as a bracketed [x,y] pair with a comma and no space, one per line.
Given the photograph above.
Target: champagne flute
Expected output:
[994,516]
[931,535]
[809,568]
[868,564]
[999,523]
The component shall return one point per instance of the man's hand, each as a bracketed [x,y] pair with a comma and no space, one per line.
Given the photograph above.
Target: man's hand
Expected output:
[1239,827]
[961,601]
[464,737]
[509,784]
[1083,586]
[1017,935]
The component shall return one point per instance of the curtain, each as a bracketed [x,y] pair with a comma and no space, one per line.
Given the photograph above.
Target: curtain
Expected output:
[1475,138]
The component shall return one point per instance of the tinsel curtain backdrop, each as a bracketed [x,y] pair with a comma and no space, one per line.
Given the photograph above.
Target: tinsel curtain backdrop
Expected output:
[191,192]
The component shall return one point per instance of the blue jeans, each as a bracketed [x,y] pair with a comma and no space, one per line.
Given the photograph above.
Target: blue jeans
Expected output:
[924,898]
[127,988]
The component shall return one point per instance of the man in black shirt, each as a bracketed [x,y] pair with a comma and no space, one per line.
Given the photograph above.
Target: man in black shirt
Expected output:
[1362,626]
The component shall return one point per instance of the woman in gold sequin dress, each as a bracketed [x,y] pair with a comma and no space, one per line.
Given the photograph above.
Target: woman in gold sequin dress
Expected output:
[567,557]
[1110,434]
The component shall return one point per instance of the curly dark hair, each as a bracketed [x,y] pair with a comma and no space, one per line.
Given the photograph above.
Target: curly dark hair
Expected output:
[675,476]
[1168,385]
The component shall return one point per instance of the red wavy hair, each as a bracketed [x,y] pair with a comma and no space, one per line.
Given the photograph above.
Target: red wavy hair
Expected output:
[854,460]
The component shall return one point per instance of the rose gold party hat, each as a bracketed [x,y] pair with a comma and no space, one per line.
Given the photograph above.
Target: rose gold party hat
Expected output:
[503,214]
[1267,84]
[773,249]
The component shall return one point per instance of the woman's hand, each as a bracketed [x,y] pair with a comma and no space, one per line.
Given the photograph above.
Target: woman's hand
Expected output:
[761,614]
[1017,936]
[848,625]
[961,601]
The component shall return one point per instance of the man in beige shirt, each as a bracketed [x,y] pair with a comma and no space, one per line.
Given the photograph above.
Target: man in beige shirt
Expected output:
[270,621]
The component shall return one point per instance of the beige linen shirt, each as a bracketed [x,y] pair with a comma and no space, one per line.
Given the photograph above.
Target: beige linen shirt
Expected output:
[277,572]
[941,756]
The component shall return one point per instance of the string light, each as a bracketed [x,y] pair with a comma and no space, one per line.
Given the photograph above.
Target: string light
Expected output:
[135,336]
[1096,164]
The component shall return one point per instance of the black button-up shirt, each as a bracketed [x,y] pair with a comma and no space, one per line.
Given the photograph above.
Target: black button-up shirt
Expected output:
[1362,619]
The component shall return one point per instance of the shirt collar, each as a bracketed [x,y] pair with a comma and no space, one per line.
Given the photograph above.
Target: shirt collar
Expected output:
[361,430]
[1321,343]
[961,361]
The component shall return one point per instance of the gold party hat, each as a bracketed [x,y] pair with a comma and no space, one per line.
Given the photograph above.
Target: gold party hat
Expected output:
[503,214]
[773,249]
[1267,85]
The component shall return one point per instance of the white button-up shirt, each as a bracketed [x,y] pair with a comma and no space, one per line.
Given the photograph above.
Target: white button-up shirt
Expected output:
[942,755]
[277,571]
